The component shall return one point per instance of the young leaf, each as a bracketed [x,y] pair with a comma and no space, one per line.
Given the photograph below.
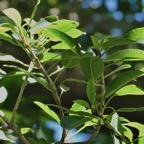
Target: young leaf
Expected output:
[91,91]
[25,130]
[14,15]
[46,109]
[72,121]
[57,35]
[130,90]
[126,55]
[121,80]
[92,67]
[136,35]
[70,59]
[82,103]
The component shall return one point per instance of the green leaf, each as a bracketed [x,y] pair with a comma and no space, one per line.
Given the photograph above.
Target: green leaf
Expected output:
[92,67]
[130,90]
[6,37]
[57,35]
[95,42]
[82,103]
[50,56]
[128,133]
[140,128]
[70,122]
[122,67]
[77,107]
[70,59]
[130,109]
[121,80]
[74,33]
[25,130]
[4,137]
[91,91]
[115,123]
[14,15]
[117,42]
[136,35]
[64,25]
[126,55]
[46,109]
[60,46]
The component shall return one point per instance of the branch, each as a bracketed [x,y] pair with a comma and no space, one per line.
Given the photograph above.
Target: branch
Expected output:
[52,88]
[14,128]
[21,93]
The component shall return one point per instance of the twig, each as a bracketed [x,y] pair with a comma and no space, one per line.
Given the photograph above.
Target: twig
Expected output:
[21,93]
[14,128]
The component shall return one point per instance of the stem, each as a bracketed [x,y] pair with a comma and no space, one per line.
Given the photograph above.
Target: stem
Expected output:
[52,88]
[95,133]
[24,84]
[14,128]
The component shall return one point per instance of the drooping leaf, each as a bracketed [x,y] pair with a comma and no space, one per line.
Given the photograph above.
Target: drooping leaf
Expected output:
[14,15]
[70,59]
[121,80]
[130,90]
[46,109]
[128,109]
[70,122]
[136,35]
[50,56]
[58,35]
[92,66]
[126,55]
[91,91]
[4,137]
[140,128]
[128,133]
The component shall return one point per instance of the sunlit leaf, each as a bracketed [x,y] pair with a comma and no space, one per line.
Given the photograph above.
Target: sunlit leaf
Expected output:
[128,133]
[50,56]
[3,94]
[25,130]
[130,90]
[126,55]
[92,67]
[60,46]
[121,80]
[14,15]
[64,25]
[82,102]
[70,59]
[58,35]
[91,91]
[140,128]
[136,35]
[46,109]
[6,37]
[4,137]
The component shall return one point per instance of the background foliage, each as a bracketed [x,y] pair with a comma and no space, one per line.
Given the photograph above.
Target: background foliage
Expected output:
[105,16]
